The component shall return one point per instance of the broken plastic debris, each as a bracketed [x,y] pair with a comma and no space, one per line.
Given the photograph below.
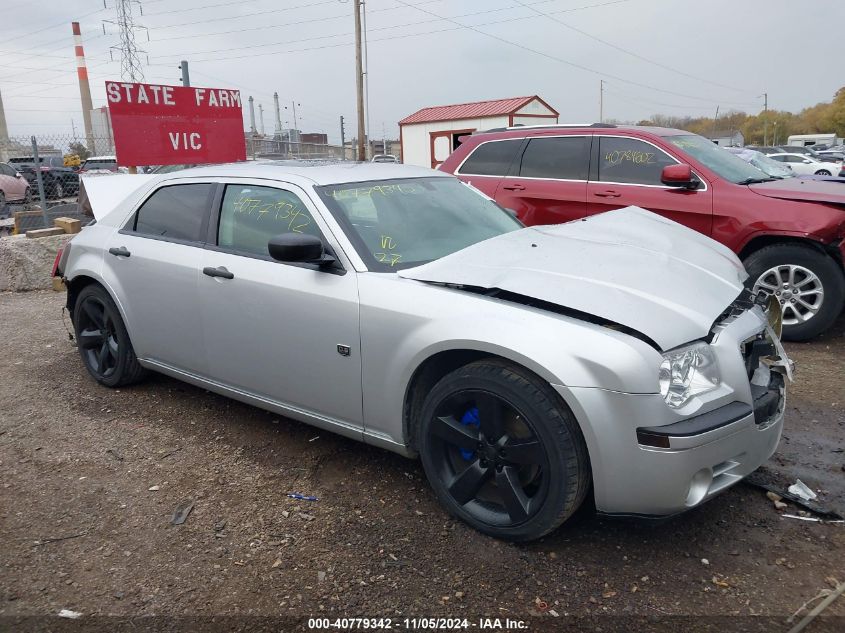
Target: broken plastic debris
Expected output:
[296,495]
[180,514]
[67,613]
[800,489]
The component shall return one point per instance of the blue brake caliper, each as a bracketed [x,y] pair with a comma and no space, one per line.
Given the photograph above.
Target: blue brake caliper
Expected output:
[470,418]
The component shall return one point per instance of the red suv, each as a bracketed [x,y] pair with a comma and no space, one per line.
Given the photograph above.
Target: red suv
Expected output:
[789,233]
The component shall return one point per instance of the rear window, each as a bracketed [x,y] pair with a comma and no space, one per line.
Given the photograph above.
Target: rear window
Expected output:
[492,158]
[564,158]
[176,212]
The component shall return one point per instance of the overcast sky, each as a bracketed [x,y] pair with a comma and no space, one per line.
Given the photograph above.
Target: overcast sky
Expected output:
[668,56]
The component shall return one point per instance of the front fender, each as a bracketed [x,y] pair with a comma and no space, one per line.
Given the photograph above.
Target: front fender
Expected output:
[562,350]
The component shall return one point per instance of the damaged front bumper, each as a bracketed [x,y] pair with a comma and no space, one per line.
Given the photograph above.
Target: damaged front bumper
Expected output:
[648,459]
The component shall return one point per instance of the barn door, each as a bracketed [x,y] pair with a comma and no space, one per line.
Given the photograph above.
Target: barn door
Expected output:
[444,143]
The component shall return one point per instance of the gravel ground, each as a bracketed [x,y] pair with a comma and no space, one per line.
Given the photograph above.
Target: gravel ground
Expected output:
[91,477]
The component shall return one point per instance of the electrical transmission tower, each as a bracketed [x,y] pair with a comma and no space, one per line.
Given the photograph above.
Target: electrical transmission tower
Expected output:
[130,63]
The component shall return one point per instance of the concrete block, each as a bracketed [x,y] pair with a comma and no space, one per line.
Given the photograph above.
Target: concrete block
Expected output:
[68,225]
[26,264]
[20,219]
[45,232]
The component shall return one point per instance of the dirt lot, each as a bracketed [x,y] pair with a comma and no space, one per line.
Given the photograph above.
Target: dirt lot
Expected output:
[91,477]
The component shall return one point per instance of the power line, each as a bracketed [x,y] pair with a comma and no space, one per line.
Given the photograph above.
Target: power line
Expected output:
[245,15]
[558,59]
[391,27]
[199,8]
[299,22]
[625,50]
[47,28]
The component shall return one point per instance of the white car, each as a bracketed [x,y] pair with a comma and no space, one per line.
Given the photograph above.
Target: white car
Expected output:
[805,165]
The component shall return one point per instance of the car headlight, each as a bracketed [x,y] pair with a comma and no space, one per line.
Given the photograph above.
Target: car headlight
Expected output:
[687,372]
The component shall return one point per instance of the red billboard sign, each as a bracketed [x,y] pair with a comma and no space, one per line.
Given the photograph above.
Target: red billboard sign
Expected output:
[171,125]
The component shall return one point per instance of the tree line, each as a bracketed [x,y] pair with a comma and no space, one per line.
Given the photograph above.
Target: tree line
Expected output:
[773,126]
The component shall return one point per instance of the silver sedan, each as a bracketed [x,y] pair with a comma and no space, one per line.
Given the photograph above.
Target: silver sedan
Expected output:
[617,358]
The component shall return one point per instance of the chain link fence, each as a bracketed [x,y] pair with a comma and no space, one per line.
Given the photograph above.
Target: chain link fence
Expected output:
[39,175]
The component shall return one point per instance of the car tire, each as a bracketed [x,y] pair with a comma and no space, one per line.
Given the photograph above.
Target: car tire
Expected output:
[792,265]
[102,339]
[823,172]
[520,486]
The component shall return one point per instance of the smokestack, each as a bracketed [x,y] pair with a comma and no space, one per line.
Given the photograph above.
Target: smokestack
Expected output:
[278,129]
[261,117]
[84,88]
[4,133]
[251,117]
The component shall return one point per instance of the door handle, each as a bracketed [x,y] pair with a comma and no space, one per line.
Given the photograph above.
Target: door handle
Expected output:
[120,252]
[217,272]
[607,194]
[514,187]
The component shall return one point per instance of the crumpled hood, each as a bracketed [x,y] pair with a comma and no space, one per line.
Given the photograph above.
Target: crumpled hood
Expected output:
[629,266]
[802,189]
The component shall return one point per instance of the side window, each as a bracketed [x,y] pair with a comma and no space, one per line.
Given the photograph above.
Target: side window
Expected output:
[493,158]
[251,215]
[629,160]
[5,170]
[175,212]
[566,158]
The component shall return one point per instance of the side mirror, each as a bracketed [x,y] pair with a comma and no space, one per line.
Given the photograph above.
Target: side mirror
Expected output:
[18,174]
[679,176]
[299,247]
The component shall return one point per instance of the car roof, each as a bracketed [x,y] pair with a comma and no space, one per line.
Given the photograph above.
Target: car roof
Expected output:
[580,128]
[316,172]
[101,158]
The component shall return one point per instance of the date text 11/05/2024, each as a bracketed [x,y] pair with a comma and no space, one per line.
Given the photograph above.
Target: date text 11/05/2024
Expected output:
[417,624]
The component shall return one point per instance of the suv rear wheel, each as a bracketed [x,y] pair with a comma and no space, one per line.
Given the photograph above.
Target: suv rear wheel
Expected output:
[809,285]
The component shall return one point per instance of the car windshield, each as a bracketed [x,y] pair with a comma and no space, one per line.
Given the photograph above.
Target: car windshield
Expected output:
[401,223]
[710,155]
[771,167]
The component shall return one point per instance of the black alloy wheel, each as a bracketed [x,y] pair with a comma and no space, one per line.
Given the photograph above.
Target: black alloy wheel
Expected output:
[502,452]
[491,459]
[97,338]
[102,339]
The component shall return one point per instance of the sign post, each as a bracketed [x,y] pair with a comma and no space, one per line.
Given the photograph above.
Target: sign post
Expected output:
[174,125]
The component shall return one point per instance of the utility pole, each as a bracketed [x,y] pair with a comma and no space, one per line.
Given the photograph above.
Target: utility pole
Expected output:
[186,79]
[765,119]
[342,139]
[359,82]
[716,118]
[601,100]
